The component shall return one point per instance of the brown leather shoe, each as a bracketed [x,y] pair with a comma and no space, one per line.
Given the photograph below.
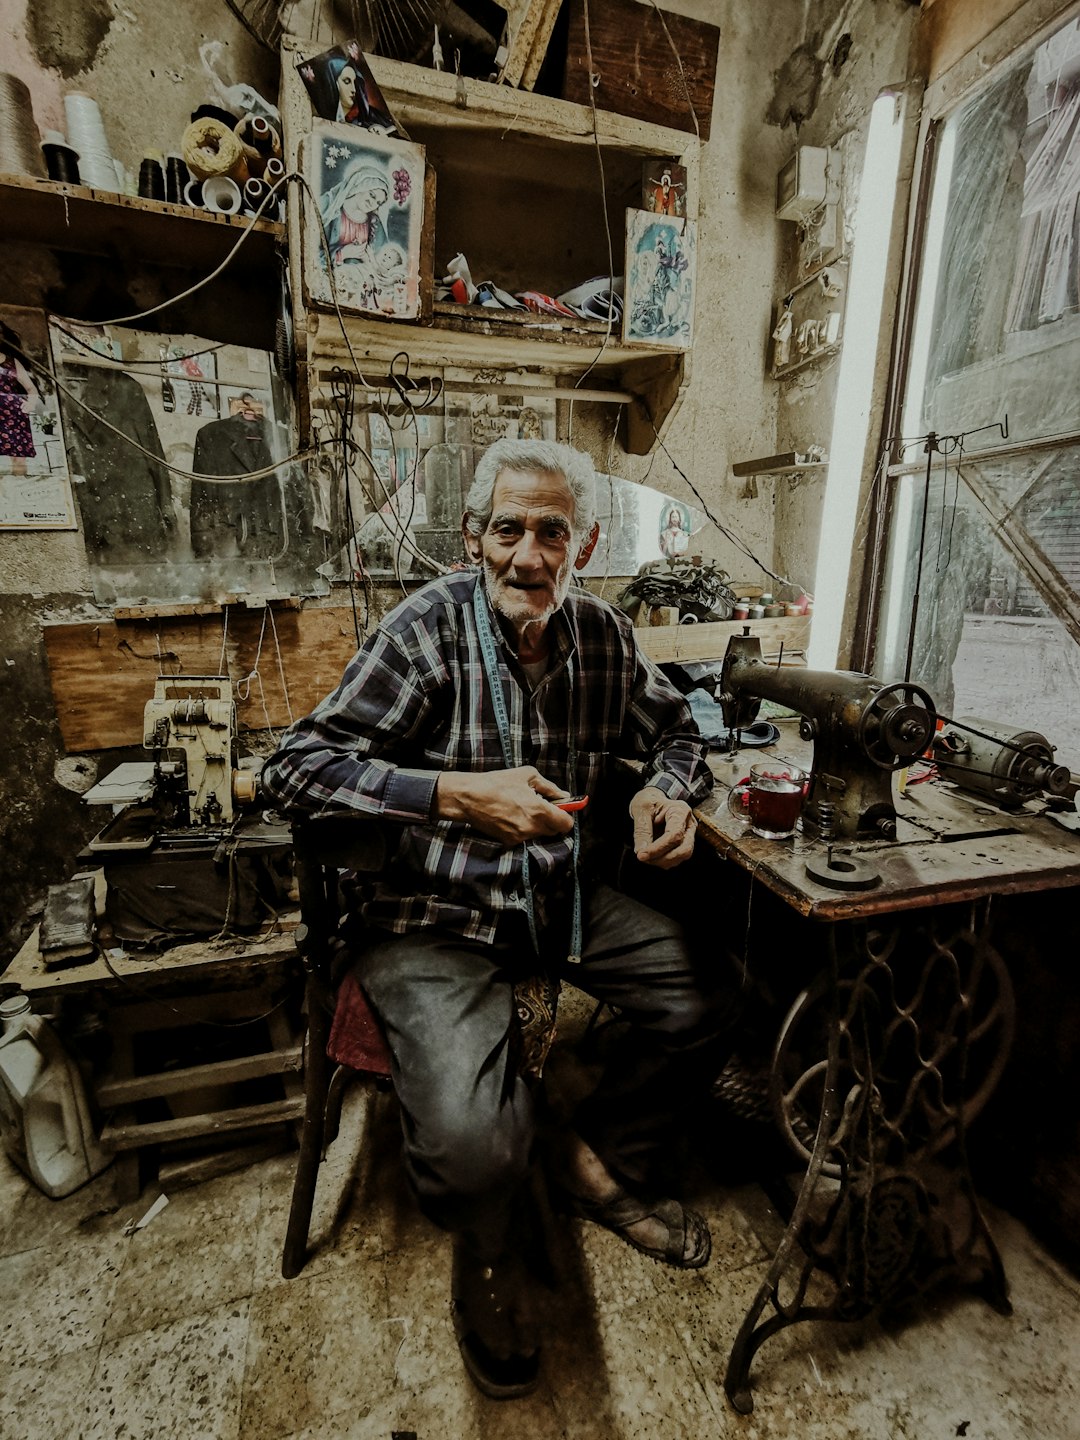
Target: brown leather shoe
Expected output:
[493,1324]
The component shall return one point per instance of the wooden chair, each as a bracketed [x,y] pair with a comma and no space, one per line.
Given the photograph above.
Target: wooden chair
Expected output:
[343,1036]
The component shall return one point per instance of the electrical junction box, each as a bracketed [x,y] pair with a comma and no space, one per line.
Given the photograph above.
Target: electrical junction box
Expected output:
[810,179]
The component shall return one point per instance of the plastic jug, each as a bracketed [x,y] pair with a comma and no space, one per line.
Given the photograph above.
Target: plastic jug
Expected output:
[45,1122]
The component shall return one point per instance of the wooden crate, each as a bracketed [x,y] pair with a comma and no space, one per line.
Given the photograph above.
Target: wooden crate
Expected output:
[664,75]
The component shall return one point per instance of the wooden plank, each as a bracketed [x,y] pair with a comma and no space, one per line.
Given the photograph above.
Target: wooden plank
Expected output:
[103,673]
[180,1173]
[708,640]
[210,965]
[220,1072]
[530,23]
[651,66]
[186,1127]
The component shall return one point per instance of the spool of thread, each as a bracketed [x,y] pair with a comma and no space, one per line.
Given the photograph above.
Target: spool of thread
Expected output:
[177,176]
[193,194]
[221,195]
[274,170]
[20,151]
[61,161]
[211,149]
[86,134]
[263,136]
[151,179]
[255,192]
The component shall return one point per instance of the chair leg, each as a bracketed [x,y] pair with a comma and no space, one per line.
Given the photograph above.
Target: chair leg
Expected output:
[316,1084]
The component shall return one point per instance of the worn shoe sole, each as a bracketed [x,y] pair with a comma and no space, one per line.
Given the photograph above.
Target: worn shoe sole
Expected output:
[509,1379]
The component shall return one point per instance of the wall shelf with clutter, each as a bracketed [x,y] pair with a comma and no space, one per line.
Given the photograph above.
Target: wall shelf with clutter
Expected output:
[80,219]
[791,462]
[496,159]
[808,322]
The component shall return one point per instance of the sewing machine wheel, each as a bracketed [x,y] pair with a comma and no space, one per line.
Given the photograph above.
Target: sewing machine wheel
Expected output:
[891,733]
[905,1076]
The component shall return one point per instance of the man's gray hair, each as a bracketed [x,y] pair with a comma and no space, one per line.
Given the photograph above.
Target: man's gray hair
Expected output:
[535,456]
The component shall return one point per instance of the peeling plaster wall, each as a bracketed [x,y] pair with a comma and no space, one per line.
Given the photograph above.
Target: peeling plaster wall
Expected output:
[880,34]
[729,411]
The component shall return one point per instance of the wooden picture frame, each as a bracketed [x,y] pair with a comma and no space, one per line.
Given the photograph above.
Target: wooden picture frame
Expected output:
[661,279]
[364,219]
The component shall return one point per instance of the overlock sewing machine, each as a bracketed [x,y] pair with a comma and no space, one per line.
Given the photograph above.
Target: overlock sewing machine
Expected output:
[190,726]
[187,852]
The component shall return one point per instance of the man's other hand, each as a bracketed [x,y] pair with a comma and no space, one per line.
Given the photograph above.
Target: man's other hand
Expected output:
[663,828]
[509,805]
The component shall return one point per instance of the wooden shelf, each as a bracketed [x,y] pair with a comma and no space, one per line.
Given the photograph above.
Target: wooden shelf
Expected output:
[98,222]
[708,640]
[499,157]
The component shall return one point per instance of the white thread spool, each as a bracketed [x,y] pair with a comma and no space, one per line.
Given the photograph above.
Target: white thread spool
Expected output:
[221,196]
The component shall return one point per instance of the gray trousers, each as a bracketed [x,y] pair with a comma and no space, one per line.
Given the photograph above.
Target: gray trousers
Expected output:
[467,1114]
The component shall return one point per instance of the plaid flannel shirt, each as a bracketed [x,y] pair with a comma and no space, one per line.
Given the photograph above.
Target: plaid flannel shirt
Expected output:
[414,702]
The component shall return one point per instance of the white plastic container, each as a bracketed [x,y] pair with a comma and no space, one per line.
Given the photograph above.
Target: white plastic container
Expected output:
[45,1122]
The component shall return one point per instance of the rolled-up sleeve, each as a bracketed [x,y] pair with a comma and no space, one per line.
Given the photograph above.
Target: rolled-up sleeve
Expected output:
[666,735]
[337,758]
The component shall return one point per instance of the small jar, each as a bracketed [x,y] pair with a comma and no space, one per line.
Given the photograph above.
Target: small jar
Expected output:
[766,598]
[773,611]
[756,612]
[742,609]
[792,607]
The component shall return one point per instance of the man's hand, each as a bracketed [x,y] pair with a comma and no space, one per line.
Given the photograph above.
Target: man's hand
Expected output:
[663,828]
[509,805]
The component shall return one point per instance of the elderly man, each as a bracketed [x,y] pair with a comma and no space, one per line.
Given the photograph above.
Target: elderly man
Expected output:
[472,722]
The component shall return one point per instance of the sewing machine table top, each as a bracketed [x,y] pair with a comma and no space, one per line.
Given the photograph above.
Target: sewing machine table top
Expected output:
[950,846]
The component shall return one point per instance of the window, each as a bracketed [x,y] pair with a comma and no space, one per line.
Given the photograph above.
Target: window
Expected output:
[981,576]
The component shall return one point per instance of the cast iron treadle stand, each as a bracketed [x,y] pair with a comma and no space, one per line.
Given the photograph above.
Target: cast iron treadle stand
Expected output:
[915,1021]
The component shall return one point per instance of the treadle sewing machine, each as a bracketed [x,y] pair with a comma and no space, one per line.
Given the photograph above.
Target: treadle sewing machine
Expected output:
[177,854]
[905,1023]
[863,731]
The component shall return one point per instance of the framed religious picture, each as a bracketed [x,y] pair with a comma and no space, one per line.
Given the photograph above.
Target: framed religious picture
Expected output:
[35,489]
[342,88]
[661,263]
[180,452]
[362,236]
[663,187]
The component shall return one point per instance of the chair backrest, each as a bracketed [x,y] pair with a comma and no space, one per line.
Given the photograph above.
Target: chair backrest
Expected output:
[323,846]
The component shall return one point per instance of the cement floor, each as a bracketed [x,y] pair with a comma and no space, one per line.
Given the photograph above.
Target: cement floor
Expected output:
[186,1328]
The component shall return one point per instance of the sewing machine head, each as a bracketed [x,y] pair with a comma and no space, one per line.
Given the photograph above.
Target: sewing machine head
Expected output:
[190,725]
[862,731]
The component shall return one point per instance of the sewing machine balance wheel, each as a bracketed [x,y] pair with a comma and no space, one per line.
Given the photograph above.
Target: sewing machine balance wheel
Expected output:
[892,733]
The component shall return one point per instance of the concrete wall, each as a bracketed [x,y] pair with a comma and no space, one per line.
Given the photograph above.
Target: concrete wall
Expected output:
[858,56]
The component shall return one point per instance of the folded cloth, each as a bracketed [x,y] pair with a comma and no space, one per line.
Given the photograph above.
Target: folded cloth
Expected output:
[496,299]
[596,298]
[542,304]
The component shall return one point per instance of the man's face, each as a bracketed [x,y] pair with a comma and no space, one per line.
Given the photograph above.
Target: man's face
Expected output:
[530,546]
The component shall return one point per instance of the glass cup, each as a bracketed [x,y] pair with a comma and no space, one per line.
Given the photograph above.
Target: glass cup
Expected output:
[770,799]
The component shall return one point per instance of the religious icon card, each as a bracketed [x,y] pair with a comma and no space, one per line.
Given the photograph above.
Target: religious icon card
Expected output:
[362,236]
[661,263]
[342,88]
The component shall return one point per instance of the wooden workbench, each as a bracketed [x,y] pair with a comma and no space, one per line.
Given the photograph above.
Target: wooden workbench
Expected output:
[894,1046]
[142,995]
[950,846]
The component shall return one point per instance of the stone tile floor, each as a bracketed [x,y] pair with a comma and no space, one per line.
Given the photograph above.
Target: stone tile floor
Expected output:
[186,1331]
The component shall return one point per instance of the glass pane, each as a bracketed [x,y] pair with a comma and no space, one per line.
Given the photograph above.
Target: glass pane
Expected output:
[1003,257]
[1000,561]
